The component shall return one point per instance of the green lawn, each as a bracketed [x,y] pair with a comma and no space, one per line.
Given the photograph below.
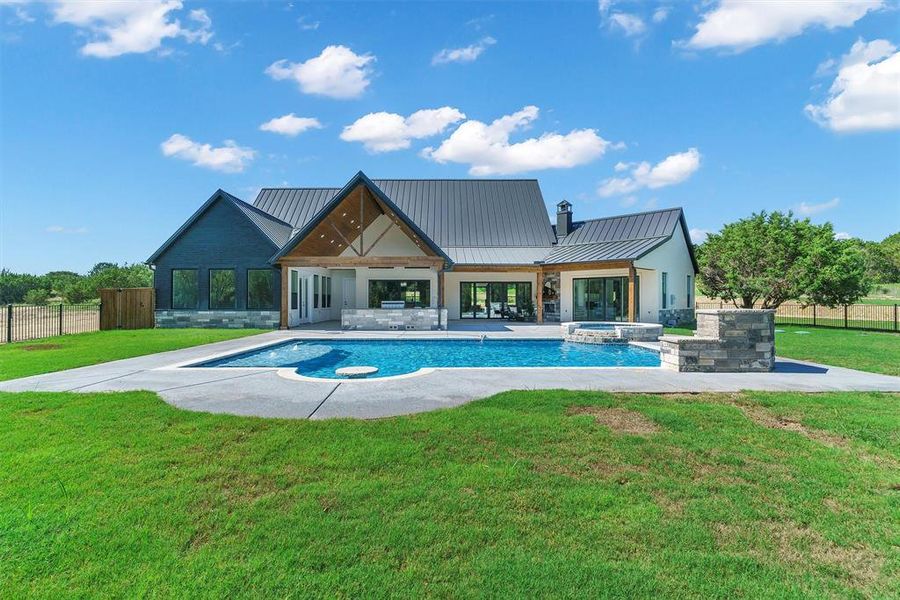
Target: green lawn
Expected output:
[863,350]
[525,494]
[68,351]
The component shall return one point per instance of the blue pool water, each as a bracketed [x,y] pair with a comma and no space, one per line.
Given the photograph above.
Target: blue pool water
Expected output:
[320,358]
[603,326]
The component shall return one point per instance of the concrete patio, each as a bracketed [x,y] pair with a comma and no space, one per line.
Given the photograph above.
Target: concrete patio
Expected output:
[264,393]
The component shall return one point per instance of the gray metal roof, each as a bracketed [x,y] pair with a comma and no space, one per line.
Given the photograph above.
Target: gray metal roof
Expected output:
[275,229]
[638,226]
[600,251]
[452,212]
[505,255]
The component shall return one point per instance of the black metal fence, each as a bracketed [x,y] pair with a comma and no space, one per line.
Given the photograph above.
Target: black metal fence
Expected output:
[20,322]
[877,317]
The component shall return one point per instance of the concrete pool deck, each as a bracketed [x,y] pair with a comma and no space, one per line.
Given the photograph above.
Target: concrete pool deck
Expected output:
[263,392]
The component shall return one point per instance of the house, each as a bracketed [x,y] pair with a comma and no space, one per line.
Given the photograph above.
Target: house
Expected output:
[462,249]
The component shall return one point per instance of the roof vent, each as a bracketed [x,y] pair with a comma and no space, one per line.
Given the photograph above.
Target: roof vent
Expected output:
[563,218]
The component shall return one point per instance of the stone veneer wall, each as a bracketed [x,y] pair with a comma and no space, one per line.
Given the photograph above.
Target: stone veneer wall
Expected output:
[377,319]
[731,340]
[676,316]
[218,319]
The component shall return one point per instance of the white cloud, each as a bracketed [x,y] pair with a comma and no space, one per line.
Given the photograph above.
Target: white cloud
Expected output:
[463,55]
[306,25]
[865,95]
[813,209]
[698,236]
[384,132]
[661,14]
[669,171]
[337,72]
[228,158]
[488,151]
[630,24]
[61,229]
[290,125]
[741,24]
[842,235]
[127,26]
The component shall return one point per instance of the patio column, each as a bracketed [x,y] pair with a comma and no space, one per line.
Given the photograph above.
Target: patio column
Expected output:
[441,292]
[540,296]
[631,303]
[284,296]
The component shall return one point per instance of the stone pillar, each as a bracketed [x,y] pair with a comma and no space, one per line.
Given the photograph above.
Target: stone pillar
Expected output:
[631,301]
[539,309]
[730,340]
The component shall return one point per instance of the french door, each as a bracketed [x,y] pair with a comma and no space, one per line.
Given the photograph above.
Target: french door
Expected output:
[600,299]
[495,300]
[298,309]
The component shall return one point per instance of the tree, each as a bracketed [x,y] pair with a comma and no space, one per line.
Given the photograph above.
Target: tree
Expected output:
[772,258]
[37,296]
[14,286]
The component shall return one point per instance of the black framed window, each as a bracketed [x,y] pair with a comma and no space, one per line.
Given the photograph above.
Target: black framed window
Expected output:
[414,293]
[222,288]
[496,300]
[665,290]
[185,288]
[328,292]
[260,289]
[690,290]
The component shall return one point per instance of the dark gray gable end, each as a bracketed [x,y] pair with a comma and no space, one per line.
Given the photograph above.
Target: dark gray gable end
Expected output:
[268,226]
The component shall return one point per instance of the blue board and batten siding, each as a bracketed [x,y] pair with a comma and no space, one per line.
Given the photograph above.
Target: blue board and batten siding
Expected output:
[221,238]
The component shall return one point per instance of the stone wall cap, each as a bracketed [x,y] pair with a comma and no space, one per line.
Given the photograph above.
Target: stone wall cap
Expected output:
[719,311]
[676,338]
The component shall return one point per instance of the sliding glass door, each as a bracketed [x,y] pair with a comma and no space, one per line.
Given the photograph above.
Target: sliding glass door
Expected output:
[496,300]
[600,299]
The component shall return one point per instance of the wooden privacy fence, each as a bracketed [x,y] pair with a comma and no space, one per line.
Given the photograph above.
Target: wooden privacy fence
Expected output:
[20,322]
[127,308]
[879,317]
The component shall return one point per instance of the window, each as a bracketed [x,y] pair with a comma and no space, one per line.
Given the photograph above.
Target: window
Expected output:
[260,289]
[326,292]
[315,291]
[185,288]
[295,290]
[665,290]
[413,293]
[496,300]
[221,288]
[690,290]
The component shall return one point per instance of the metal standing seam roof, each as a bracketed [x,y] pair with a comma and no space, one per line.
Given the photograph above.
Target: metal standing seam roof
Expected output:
[638,226]
[506,255]
[601,251]
[275,229]
[452,213]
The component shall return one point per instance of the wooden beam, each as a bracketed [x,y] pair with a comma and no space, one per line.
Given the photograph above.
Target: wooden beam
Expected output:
[588,266]
[631,290]
[285,296]
[346,241]
[378,239]
[362,261]
[540,297]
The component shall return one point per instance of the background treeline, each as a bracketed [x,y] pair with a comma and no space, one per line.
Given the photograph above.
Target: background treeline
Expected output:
[70,287]
[882,259]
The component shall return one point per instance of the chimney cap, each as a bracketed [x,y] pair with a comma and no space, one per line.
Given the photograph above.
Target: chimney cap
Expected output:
[564,206]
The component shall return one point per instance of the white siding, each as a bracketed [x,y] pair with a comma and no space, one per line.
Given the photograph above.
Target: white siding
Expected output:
[673,258]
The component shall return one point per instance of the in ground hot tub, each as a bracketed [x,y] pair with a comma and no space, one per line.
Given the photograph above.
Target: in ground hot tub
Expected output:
[611,332]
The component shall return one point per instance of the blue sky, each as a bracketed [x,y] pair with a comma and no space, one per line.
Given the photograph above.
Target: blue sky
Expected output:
[118,122]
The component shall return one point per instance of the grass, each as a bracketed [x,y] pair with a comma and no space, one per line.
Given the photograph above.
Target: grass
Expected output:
[883,293]
[22,359]
[864,350]
[523,494]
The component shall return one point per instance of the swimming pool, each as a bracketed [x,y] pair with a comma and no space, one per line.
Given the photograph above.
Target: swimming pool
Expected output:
[320,358]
